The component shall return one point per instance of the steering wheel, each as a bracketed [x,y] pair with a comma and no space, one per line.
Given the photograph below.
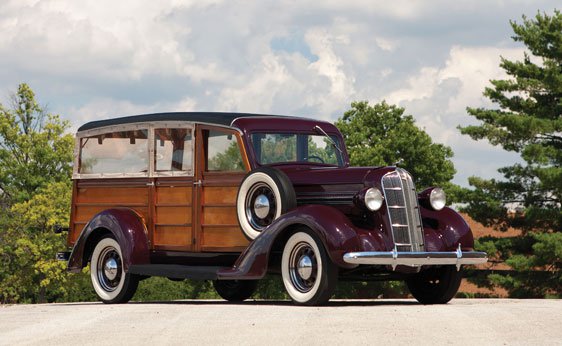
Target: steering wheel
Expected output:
[316,158]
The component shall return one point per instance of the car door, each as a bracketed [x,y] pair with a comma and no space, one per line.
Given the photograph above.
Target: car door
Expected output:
[172,187]
[220,167]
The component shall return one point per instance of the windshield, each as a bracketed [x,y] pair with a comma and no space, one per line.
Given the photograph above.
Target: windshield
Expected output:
[271,148]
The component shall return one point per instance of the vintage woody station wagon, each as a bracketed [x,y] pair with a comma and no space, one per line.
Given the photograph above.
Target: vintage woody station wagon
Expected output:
[230,197]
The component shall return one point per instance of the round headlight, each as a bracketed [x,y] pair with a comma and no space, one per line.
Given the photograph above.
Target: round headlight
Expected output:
[437,198]
[373,199]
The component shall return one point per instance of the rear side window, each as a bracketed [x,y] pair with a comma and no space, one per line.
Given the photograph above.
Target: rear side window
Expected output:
[124,152]
[173,150]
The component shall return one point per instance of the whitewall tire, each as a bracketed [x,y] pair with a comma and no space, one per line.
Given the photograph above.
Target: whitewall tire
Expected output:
[264,195]
[111,283]
[309,276]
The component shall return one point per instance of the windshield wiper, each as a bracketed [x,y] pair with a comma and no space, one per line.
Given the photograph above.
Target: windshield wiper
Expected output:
[321,130]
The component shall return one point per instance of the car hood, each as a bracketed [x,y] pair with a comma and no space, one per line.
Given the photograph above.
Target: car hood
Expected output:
[320,175]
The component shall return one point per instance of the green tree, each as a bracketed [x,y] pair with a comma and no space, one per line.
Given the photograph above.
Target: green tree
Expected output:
[382,134]
[35,167]
[527,120]
[34,149]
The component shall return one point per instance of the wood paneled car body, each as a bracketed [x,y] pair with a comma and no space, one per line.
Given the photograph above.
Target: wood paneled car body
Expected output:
[230,197]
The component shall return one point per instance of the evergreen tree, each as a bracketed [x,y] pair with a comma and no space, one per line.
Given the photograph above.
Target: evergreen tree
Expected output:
[527,120]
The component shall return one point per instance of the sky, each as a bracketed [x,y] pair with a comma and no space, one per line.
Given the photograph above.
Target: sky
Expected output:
[90,60]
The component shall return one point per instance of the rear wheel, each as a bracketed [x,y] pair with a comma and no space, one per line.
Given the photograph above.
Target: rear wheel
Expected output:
[308,273]
[235,290]
[435,285]
[111,283]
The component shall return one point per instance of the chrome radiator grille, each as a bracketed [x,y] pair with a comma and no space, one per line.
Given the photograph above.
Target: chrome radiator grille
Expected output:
[403,210]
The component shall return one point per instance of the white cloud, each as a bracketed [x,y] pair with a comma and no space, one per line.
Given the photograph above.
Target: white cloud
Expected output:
[401,9]
[330,65]
[99,58]
[420,86]
[131,40]
[438,98]
[270,75]
[474,67]
[386,44]
[105,108]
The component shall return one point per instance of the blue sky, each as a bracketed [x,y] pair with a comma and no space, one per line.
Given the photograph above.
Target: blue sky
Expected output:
[89,60]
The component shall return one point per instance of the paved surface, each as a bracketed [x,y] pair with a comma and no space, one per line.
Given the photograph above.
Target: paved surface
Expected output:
[461,322]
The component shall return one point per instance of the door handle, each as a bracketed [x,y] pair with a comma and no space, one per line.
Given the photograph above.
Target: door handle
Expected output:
[198,183]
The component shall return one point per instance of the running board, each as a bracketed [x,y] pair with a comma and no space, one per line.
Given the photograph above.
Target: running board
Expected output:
[176,271]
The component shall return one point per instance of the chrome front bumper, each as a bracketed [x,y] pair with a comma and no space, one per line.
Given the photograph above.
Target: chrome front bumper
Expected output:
[395,258]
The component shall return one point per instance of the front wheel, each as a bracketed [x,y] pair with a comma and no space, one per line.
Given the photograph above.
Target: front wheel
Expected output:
[308,273]
[235,290]
[111,283]
[435,285]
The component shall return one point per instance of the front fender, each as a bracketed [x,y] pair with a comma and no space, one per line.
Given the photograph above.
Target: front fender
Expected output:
[445,229]
[126,226]
[334,229]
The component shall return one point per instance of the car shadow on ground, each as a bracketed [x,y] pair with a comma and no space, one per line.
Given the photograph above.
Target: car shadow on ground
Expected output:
[286,302]
[331,303]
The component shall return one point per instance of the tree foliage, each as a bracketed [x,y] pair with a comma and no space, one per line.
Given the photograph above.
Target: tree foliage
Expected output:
[527,120]
[34,150]
[35,167]
[382,134]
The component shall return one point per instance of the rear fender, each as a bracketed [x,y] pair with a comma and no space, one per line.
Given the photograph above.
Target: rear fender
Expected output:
[125,225]
[332,227]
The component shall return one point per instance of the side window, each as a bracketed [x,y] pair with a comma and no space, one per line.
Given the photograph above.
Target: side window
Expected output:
[321,149]
[223,152]
[173,149]
[275,147]
[124,152]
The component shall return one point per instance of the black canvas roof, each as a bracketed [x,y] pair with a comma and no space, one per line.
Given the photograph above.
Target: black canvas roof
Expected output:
[200,117]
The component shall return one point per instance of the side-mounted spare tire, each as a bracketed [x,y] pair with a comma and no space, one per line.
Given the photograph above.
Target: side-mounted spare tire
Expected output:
[265,194]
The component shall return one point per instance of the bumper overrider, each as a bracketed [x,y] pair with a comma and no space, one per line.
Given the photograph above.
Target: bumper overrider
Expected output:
[394,258]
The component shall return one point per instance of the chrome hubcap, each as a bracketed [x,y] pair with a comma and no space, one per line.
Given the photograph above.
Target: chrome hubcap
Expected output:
[261,206]
[110,268]
[304,267]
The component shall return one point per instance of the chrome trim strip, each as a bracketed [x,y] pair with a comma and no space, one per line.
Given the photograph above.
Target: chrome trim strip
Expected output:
[415,219]
[386,199]
[395,258]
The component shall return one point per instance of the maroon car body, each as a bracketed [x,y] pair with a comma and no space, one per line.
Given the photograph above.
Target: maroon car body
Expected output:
[301,210]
